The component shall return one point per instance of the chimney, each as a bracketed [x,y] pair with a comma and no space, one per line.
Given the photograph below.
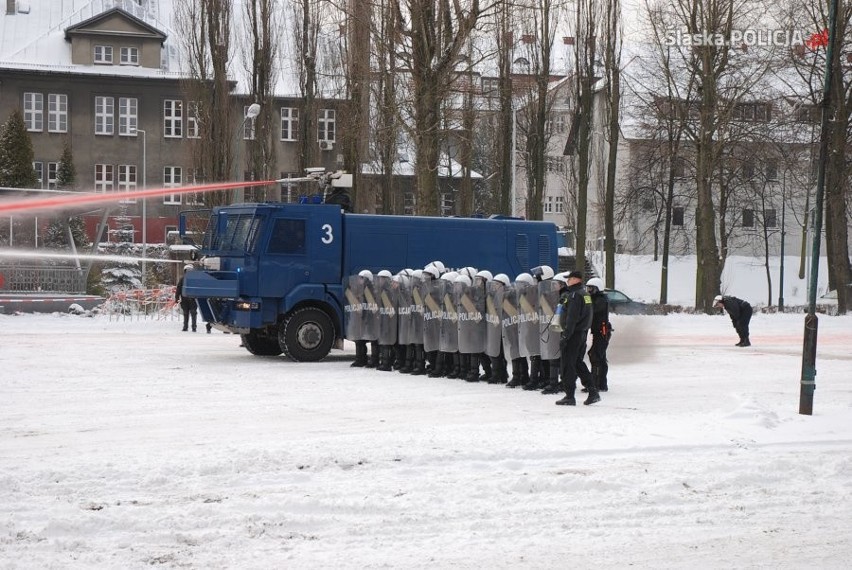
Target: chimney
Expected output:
[10,7]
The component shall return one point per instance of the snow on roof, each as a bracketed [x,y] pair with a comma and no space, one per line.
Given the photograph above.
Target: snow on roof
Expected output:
[447,168]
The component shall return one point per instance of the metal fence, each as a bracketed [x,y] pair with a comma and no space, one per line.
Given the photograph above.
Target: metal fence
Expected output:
[37,279]
[157,304]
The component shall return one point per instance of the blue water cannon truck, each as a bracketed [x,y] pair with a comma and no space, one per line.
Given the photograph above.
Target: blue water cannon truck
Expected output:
[276,273]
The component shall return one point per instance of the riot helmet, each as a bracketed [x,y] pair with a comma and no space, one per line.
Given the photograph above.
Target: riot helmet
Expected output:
[525,278]
[503,278]
[485,275]
[384,273]
[366,274]
[462,278]
[596,282]
[542,272]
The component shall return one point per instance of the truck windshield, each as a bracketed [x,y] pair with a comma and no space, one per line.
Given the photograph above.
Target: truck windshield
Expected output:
[239,234]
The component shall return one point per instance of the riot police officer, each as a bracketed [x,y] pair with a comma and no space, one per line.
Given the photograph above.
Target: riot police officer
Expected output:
[575,308]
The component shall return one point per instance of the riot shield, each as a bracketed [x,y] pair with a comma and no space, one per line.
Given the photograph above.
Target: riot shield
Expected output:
[353,308]
[450,321]
[510,318]
[370,315]
[404,310]
[388,291]
[548,298]
[528,341]
[432,314]
[415,332]
[493,316]
[471,310]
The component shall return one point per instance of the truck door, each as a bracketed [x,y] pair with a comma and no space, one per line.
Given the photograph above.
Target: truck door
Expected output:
[303,247]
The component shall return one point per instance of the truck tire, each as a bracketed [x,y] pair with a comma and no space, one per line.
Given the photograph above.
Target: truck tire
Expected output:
[306,335]
[261,344]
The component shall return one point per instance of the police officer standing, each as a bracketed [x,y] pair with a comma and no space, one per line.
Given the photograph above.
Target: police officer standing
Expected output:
[601,333]
[575,308]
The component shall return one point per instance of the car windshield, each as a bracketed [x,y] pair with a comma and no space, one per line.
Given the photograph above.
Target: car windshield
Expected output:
[613,295]
[238,236]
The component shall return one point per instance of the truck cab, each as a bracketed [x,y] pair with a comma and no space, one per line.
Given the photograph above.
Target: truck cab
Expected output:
[272,273]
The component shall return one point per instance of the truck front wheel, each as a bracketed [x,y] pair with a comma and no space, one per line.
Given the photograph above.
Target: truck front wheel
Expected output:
[306,335]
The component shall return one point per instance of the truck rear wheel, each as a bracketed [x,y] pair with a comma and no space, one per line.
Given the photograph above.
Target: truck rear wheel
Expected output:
[306,335]
[260,344]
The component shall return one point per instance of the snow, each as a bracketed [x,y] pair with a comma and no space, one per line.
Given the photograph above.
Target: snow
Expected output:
[125,443]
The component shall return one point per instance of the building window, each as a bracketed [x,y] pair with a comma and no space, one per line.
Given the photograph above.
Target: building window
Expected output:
[679,167]
[57,113]
[757,112]
[748,170]
[770,218]
[104,119]
[560,204]
[172,178]
[326,125]
[192,131]
[129,56]
[128,108]
[408,203]
[127,180]
[173,118]
[808,113]
[748,218]
[548,205]
[447,204]
[771,169]
[39,170]
[677,216]
[104,178]
[52,170]
[248,125]
[289,124]
[103,54]
[34,111]
[490,86]
[556,125]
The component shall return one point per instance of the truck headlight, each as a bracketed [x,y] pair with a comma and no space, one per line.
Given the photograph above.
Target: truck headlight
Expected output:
[247,305]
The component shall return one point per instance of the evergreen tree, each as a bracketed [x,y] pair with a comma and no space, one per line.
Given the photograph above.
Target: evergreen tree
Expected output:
[16,154]
[66,175]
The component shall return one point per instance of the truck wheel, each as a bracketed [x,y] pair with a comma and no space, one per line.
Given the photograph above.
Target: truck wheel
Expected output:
[306,335]
[261,344]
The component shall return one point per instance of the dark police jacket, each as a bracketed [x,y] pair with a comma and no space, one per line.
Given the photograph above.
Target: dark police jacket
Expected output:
[600,315]
[576,313]
[736,308]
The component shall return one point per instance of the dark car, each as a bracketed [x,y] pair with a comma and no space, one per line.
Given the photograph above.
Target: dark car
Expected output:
[621,304]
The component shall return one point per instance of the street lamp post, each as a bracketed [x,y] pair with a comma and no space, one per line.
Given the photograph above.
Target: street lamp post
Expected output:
[144,206]
[251,113]
[783,236]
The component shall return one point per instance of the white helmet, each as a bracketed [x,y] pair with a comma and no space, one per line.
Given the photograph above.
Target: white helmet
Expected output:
[561,277]
[542,272]
[188,267]
[469,271]
[449,276]
[525,278]
[366,274]
[486,275]
[417,274]
[502,278]
[463,279]
[717,299]
[384,273]
[597,283]
[431,270]
[439,265]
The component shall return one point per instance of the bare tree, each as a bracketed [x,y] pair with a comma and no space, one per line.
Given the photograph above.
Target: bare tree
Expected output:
[612,71]
[260,51]
[207,44]
[435,33]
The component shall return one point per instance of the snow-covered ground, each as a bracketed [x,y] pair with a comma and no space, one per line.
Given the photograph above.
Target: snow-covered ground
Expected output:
[126,443]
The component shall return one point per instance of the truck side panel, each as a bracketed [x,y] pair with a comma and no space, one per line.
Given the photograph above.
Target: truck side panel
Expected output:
[397,242]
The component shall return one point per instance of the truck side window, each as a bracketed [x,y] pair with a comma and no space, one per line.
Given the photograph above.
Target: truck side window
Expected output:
[288,236]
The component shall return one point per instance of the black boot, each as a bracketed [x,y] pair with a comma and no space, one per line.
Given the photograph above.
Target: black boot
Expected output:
[569,388]
[536,381]
[419,364]
[360,353]
[398,356]
[515,381]
[385,358]
[472,369]
[453,365]
[498,371]
[553,378]
[437,365]
[407,359]
[487,369]
[373,361]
